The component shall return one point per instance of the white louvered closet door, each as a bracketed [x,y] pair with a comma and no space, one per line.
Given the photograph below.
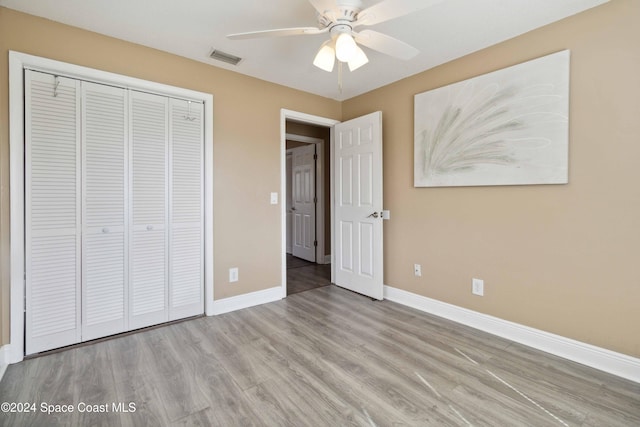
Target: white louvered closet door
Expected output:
[52,211]
[114,230]
[148,286]
[104,190]
[186,286]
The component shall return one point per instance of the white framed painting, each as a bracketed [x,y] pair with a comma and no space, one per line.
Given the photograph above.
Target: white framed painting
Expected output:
[508,127]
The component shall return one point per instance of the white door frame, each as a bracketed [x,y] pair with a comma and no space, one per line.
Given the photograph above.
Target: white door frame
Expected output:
[320,217]
[285,197]
[307,119]
[17,63]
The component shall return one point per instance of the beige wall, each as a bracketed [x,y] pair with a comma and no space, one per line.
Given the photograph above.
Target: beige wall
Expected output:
[246,231]
[561,258]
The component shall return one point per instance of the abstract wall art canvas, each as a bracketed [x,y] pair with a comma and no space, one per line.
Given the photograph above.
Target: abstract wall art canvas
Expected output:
[508,127]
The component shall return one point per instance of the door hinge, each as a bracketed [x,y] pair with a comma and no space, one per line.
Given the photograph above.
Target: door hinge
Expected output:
[315,243]
[315,157]
[315,200]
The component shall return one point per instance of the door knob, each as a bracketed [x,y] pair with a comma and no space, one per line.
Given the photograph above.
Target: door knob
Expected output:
[375,215]
[293,209]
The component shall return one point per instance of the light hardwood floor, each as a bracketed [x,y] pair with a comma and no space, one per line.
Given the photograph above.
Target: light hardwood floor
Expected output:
[326,357]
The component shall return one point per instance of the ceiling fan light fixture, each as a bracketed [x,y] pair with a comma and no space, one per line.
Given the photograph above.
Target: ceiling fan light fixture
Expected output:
[326,57]
[346,47]
[358,60]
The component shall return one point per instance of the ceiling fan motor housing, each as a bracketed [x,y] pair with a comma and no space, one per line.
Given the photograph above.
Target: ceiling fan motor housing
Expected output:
[345,13]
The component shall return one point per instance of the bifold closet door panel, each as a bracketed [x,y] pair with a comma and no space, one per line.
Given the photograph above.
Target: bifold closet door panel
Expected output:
[148,284]
[52,211]
[186,284]
[105,228]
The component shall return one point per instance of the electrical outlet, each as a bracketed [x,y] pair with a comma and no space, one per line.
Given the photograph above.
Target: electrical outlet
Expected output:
[477,287]
[274,198]
[233,274]
[417,270]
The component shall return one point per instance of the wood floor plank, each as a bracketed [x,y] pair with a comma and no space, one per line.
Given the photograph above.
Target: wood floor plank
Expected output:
[323,357]
[174,374]
[321,381]
[337,355]
[386,358]
[227,403]
[133,383]
[544,376]
[94,386]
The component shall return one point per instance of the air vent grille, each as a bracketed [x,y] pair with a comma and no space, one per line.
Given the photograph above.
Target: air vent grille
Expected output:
[225,57]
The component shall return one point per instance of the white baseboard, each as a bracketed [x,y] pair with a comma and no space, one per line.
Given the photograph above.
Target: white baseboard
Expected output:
[596,357]
[4,359]
[227,305]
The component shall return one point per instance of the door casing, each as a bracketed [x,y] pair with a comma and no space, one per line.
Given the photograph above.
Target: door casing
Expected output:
[18,62]
[307,119]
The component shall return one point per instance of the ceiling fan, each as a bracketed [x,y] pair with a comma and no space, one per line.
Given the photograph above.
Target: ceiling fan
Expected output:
[339,18]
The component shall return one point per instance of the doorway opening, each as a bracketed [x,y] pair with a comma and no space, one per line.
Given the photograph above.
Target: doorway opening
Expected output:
[295,120]
[308,219]
[355,170]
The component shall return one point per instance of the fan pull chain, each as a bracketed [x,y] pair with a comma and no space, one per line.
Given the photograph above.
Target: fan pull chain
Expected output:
[340,77]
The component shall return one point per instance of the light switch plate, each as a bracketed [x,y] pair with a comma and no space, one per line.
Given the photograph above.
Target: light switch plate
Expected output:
[477,287]
[274,198]
[233,274]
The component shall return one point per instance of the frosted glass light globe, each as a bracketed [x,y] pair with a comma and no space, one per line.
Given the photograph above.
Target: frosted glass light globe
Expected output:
[345,47]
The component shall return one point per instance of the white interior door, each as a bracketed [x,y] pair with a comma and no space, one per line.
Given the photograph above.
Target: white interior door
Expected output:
[304,208]
[114,210]
[358,205]
[104,193]
[52,212]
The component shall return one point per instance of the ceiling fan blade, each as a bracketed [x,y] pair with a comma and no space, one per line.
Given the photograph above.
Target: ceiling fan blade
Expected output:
[391,9]
[281,32]
[323,6]
[385,44]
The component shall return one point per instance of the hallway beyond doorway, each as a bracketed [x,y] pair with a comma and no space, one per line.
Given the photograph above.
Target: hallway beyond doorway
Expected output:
[303,275]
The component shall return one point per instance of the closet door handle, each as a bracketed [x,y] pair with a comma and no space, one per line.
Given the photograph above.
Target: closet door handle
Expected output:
[149,227]
[105,230]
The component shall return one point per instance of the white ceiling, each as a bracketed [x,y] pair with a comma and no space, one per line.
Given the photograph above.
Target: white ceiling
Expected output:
[191,28]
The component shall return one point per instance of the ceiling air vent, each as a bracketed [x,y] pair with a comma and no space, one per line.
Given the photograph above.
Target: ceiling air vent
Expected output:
[225,57]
